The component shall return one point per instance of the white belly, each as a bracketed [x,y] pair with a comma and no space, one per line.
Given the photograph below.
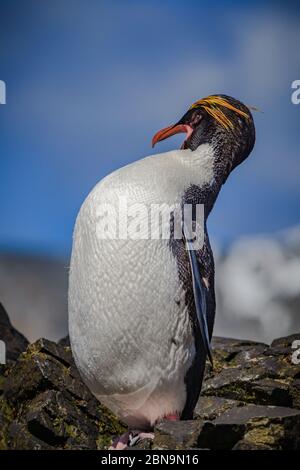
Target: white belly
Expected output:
[129,325]
[131,340]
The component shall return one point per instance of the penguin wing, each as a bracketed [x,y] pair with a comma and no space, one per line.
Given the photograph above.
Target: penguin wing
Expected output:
[199,295]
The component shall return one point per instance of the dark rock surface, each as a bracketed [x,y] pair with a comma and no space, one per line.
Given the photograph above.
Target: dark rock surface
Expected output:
[44,403]
[254,373]
[64,341]
[177,434]
[264,427]
[209,408]
[251,400]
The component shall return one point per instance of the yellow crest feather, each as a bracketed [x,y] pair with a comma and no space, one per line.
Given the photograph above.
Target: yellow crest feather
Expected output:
[212,105]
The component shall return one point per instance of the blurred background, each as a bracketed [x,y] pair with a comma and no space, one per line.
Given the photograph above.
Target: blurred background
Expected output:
[89,83]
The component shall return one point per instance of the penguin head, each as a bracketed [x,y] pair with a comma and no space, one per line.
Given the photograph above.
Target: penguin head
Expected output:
[221,121]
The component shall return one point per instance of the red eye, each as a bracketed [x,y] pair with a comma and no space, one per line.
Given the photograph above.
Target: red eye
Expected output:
[196,118]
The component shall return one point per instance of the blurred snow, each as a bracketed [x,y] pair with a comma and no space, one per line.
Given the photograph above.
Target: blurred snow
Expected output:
[258,287]
[33,290]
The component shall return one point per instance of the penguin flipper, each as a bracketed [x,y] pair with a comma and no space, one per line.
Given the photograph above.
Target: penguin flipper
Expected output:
[199,291]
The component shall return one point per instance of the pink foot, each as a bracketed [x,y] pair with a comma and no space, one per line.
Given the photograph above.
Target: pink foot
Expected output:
[130,438]
[134,438]
[121,442]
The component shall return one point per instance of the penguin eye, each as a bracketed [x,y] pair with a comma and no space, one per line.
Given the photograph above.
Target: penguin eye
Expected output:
[195,119]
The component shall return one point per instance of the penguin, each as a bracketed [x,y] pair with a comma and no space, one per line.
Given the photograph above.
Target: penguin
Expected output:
[141,310]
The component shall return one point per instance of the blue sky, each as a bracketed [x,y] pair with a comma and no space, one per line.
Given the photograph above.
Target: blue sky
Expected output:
[88,84]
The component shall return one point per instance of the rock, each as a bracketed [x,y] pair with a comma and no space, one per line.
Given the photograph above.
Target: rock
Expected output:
[177,435]
[19,438]
[6,417]
[15,342]
[41,368]
[272,392]
[295,392]
[65,341]
[47,405]
[230,347]
[209,408]
[243,444]
[284,344]
[226,350]
[252,425]
[260,375]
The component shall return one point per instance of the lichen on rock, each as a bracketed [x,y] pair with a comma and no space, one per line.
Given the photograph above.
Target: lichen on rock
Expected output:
[250,400]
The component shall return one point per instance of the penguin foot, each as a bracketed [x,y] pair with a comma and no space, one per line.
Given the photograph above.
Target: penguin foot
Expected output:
[120,442]
[137,436]
[129,439]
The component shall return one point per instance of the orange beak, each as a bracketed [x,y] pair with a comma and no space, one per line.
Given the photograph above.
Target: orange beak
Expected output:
[172,130]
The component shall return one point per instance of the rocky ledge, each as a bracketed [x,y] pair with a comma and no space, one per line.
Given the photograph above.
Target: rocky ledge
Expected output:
[250,400]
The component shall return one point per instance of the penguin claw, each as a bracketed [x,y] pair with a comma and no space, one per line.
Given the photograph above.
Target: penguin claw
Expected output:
[120,442]
[130,439]
[136,437]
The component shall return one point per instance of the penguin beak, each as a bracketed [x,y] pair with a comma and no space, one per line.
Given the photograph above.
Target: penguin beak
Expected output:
[172,130]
